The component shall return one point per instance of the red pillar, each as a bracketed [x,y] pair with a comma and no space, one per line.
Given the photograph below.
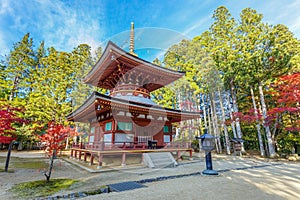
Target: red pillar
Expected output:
[191,154]
[92,159]
[79,156]
[75,156]
[178,155]
[84,157]
[123,159]
[100,160]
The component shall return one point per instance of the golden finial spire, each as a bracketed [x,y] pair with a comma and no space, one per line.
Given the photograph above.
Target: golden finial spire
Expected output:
[131,46]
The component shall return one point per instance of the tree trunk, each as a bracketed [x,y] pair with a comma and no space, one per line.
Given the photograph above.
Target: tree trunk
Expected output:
[267,128]
[200,125]
[51,166]
[20,145]
[213,130]
[15,84]
[274,131]
[12,92]
[67,142]
[204,111]
[181,123]
[218,133]
[261,144]
[237,122]
[227,144]
[231,117]
[8,156]
[209,121]
[215,124]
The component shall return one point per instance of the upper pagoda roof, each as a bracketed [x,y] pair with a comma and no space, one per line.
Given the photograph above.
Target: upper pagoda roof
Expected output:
[97,104]
[115,63]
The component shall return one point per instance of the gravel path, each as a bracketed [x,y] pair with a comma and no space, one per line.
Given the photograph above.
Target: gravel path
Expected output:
[240,178]
[274,182]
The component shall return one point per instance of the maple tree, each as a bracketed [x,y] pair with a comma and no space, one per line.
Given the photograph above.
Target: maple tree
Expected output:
[8,118]
[247,117]
[284,116]
[287,95]
[53,142]
[8,121]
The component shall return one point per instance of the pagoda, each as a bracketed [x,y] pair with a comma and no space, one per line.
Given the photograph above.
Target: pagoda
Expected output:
[127,117]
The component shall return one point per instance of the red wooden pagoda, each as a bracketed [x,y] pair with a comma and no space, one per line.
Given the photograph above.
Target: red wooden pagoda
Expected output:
[127,117]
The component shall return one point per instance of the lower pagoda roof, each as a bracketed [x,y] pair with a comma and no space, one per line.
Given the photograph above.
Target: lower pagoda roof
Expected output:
[99,106]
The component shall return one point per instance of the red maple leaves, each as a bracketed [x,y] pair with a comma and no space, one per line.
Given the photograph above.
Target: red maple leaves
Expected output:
[54,139]
[287,90]
[286,98]
[8,120]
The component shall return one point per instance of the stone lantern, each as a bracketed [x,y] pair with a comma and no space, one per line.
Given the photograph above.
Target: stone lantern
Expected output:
[208,144]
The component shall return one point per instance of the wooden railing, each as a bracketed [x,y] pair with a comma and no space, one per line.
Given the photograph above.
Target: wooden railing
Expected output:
[144,139]
[178,144]
[142,144]
[110,146]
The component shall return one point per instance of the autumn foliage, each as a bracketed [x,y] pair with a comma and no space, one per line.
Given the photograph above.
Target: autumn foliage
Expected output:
[8,120]
[288,90]
[287,96]
[54,139]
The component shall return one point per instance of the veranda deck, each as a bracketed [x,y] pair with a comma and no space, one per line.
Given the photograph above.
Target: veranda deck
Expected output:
[78,153]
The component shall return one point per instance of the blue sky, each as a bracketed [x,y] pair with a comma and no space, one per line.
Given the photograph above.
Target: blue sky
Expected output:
[158,23]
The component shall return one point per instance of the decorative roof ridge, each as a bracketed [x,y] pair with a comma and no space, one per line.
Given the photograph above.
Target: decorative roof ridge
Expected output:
[147,62]
[112,46]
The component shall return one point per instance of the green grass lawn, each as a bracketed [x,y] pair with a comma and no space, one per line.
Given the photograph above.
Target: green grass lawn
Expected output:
[25,163]
[41,188]
[34,189]
[9,171]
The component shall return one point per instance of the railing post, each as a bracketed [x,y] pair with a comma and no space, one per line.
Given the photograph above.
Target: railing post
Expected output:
[85,155]
[79,156]
[191,154]
[75,156]
[123,159]
[178,154]
[92,159]
[100,157]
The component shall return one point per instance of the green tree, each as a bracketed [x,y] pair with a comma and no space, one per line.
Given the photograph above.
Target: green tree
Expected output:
[82,62]
[52,86]
[19,62]
[221,43]
[266,54]
[15,85]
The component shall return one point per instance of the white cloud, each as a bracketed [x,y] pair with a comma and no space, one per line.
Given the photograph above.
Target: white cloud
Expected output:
[65,28]
[5,7]
[282,12]
[4,47]
[58,24]
[295,25]
[292,17]
[197,26]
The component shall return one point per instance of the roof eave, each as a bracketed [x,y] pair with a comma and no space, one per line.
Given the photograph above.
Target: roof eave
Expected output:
[113,48]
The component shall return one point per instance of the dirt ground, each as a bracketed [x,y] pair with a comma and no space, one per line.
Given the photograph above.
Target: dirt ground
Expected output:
[240,178]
